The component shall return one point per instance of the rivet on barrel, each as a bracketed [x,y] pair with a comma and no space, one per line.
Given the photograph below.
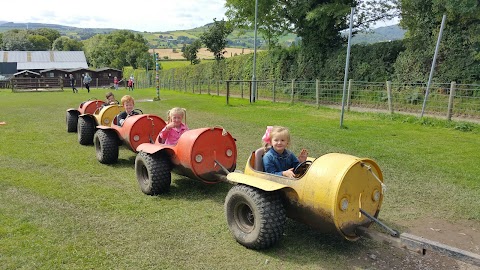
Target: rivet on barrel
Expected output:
[344,204]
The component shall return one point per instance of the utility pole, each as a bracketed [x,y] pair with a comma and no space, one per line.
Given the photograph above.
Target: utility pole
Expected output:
[254,79]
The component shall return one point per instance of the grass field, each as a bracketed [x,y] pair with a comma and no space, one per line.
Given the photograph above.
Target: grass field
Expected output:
[203,53]
[166,65]
[61,209]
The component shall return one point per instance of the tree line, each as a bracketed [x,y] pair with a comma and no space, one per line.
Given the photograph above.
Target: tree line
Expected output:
[320,50]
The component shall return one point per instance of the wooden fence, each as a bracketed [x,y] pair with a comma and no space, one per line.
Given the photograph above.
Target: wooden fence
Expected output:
[36,84]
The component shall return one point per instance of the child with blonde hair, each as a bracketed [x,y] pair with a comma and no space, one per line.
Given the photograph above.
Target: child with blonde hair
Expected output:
[175,126]
[278,159]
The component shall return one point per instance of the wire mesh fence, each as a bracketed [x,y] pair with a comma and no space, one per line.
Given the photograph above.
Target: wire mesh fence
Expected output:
[443,99]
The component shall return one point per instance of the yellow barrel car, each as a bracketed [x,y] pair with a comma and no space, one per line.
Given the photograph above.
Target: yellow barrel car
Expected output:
[87,123]
[333,193]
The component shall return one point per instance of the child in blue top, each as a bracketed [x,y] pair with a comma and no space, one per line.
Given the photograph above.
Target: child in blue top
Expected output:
[278,159]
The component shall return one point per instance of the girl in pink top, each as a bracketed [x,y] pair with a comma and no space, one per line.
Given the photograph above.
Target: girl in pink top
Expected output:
[175,126]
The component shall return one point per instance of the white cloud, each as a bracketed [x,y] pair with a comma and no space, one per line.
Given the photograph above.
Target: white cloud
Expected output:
[140,15]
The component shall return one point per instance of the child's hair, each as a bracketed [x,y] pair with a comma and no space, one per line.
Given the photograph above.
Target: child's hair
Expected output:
[273,131]
[107,95]
[177,110]
[127,98]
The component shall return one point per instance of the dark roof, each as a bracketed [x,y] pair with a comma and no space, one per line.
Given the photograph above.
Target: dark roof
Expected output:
[107,68]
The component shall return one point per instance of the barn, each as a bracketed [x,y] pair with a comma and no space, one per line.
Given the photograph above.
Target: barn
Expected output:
[54,64]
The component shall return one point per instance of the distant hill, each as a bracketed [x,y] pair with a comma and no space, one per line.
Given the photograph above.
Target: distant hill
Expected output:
[381,34]
[69,31]
[176,39]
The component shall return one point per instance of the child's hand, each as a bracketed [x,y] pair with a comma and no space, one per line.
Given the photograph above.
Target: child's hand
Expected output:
[303,155]
[289,173]
[170,125]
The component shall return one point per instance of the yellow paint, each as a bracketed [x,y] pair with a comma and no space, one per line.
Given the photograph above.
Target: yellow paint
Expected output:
[331,180]
[106,116]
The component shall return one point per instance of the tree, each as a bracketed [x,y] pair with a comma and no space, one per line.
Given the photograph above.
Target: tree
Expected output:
[29,40]
[457,58]
[317,21]
[241,13]
[215,38]
[50,34]
[190,52]
[67,44]
[117,49]
[15,40]
[38,43]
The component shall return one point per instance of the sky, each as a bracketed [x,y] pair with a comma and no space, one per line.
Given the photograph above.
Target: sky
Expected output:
[138,15]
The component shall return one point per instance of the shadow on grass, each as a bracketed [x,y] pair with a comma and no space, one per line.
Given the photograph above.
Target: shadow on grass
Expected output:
[195,190]
[124,163]
[302,244]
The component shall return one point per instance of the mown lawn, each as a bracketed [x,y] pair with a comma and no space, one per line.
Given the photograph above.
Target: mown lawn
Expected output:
[61,209]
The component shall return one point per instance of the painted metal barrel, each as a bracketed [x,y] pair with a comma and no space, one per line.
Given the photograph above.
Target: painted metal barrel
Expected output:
[108,114]
[140,129]
[334,189]
[199,150]
[89,107]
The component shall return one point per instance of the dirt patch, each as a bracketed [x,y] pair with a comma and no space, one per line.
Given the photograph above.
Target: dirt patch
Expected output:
[461,234]
[203,53]
[464,235]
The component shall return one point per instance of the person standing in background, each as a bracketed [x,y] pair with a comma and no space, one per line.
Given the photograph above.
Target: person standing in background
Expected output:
[132,82]
[86,80]
[72,83]
[115,83]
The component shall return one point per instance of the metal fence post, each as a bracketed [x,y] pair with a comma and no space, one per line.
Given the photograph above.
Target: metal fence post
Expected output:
[389,96]
[228,90]
[317,94]
[218,88]
[293,93]
[274,86]
[241,89]
[349,94]
[450,100]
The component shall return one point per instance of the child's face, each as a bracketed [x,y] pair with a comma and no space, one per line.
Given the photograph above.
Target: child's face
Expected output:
[128,106]
[111,98]
[279,142]
[176,119]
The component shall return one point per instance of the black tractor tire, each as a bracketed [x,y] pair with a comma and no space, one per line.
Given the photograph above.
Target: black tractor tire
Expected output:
[106,146]
[86,130]
[72,121]
[153,173]
[256,218]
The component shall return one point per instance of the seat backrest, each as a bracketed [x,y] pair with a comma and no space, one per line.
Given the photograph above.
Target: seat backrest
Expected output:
[258,166]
